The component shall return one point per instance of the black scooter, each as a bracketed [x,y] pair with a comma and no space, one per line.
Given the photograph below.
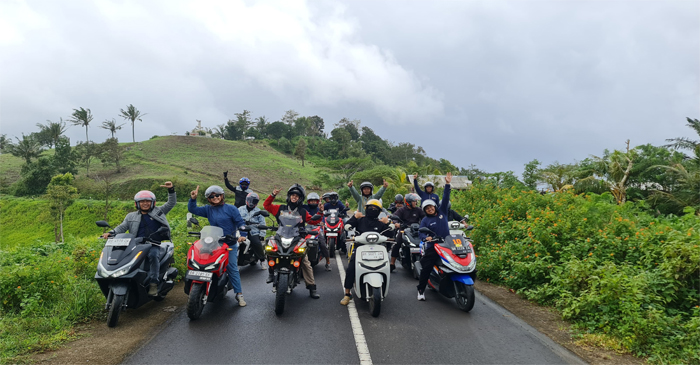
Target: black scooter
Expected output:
[409,253]
[122,271]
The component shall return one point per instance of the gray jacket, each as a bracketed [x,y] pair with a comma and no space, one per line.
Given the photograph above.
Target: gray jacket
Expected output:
[362,200]
[133,220]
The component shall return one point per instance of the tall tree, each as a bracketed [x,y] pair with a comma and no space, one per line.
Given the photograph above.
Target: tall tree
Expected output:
[27,148]
[86,154]
[301,150]
[111,126]
[64,157]
[683,143]
[261,124]
[112,153]
[61,194]
[531,174]
[50,133]
[289,117]
[132,114]
[5,143]
[612,170]
[558,176]
[81,117]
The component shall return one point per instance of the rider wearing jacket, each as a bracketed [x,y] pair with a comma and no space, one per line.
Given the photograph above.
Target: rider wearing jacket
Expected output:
[334,203]
[429,192]
[408,215]
[366,188]
[313,207]
[437,221]
[229,219]
[370,222]
[295,200]
[147,219]
[241,191]
[255,236]
[397,204]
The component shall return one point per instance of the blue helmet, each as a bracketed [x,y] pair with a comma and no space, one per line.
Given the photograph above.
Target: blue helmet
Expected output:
[244,181]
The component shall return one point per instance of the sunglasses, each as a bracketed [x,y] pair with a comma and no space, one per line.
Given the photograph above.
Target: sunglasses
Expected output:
[212,196]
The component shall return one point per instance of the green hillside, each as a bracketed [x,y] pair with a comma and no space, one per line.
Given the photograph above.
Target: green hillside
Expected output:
[184,159]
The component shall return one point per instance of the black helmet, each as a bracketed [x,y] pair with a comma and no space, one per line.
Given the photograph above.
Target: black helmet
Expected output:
[398,198]
[326,196]
[333,196]
[367,184]
[296,189]
[412,198]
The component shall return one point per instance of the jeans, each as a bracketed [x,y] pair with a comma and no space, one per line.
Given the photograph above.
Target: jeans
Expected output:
[234,276]
[350,271]
[322,246]
[153,264]
[257,247]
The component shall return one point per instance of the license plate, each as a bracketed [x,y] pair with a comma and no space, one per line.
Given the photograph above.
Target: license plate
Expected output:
[118,242]
[371,256]
[459,250]
[331,235]
[415,249]
[198,275]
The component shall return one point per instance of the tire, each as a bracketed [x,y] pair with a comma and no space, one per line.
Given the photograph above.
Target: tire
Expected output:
[375,302]
[282,285]
[331,247]
[159,299]
[406,260]
[465,296]
[195,303]
[114,310]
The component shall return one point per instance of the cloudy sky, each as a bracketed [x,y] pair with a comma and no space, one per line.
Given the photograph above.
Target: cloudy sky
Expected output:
[490,83]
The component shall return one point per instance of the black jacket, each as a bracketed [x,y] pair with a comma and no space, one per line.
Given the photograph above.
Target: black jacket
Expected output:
[454,216]
[239,193]
[365,224]
[410,216]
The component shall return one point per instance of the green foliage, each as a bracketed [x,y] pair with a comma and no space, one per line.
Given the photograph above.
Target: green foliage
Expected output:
[112,153]
[27,148]
[611,269]
[64,158]
[82,117]
[35,177]
[131,114]
[531,174]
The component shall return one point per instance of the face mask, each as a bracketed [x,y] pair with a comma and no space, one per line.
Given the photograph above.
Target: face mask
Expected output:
[372,213]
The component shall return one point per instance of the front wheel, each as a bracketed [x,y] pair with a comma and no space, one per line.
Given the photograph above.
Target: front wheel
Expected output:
[195,303]
[331,247]
[114,310]
[375,302]
[465,296]
[282,285]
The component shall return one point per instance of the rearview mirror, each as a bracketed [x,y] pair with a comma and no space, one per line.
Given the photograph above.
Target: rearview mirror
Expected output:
[244,229]
[163,233]
[102,224]
[194,221]
[394,218]
[425,230]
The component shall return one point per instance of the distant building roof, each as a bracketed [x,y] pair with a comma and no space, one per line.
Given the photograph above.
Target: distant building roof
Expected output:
[458,182]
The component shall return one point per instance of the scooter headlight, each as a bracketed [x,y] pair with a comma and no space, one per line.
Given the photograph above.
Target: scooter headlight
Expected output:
[372,238]
[123,271]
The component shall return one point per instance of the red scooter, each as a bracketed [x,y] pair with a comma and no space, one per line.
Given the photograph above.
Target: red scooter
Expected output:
[333,228]
[206,279]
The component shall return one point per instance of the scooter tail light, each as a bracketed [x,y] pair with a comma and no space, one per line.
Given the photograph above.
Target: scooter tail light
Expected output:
[271,263]
[296,264]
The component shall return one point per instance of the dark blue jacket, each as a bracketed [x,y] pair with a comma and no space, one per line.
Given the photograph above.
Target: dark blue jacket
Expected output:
[312,209]
[423,195]
[438,223]
[340,206]
[225,216]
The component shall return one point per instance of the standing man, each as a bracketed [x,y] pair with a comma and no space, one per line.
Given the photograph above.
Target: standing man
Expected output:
[367,189]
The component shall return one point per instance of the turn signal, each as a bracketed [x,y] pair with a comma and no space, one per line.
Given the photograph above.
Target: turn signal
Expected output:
[296,263]
[271,263]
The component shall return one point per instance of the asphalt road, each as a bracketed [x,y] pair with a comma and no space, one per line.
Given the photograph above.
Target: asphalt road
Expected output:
[319,331]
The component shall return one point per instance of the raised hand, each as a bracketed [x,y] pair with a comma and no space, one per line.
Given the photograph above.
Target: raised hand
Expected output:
[358,215]
[415,176]
[226,174]
[385,220]
[276,191]
[448,178]
[386,184]
[350,184]
[167,184]
[194,193]
[347,204]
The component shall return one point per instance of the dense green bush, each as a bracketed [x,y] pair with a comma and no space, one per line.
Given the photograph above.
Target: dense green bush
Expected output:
[611,269]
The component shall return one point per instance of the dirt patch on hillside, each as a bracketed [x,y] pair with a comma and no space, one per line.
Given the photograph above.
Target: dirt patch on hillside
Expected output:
[103,345]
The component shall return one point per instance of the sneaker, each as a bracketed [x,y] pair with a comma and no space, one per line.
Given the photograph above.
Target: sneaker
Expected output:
[346,299]
[421,296]
[263,265]
[241,302]
[328,267]
[392,267]
[270,278]
[153,289]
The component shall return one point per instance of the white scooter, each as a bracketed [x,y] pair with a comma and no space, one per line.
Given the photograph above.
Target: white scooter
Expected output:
[372,272]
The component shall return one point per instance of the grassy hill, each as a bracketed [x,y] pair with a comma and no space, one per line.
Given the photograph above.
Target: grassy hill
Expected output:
[190,160]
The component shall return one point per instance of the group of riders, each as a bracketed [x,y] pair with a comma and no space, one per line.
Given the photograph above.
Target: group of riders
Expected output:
[433,213]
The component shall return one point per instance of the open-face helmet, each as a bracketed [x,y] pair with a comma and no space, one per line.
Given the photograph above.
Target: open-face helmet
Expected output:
[313,196]
[412,198]
[215,190]
[326,197]
[372,208]
[298,190]
[398,198]
[429,183]
[367,184]
[145,195]
[428,203]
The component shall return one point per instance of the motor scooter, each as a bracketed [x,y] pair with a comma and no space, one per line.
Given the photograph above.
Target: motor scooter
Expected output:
[372,271]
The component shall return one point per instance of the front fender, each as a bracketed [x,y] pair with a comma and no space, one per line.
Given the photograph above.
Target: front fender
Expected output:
[119,288]
[373,279]
[463,278]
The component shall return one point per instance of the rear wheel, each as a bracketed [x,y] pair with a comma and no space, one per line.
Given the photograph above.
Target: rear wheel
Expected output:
[282,285]
[114,310]
[465,296]
[406,259]
[375,302]
[195,303]
[331,246]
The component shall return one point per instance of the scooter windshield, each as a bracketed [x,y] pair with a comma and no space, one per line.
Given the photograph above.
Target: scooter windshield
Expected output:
[289,224]
[209,238]
[332,217]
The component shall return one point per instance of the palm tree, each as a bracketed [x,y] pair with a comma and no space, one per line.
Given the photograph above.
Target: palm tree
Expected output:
[686,192]
[111,125]
[82,117]
[612,171]
[51,132]
[132,114]
[682,143]
[27,148]
[5,143]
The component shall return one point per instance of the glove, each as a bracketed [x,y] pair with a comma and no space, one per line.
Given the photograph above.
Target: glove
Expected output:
[225,174]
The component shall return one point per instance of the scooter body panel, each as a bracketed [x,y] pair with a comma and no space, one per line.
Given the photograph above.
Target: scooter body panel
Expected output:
[374,271]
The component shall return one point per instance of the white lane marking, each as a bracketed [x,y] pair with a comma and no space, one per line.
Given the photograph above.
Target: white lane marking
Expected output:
[360,342]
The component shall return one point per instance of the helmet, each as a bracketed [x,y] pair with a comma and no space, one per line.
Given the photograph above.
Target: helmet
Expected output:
[244,181]
[429,183]
[398,198]
[312,196]
[326,196]
[367,184]
[215,189]
[427,203]
[373,212]
[296,189]
[252,200]
[412,198]
[374,202]
[333,196]
[145,195]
